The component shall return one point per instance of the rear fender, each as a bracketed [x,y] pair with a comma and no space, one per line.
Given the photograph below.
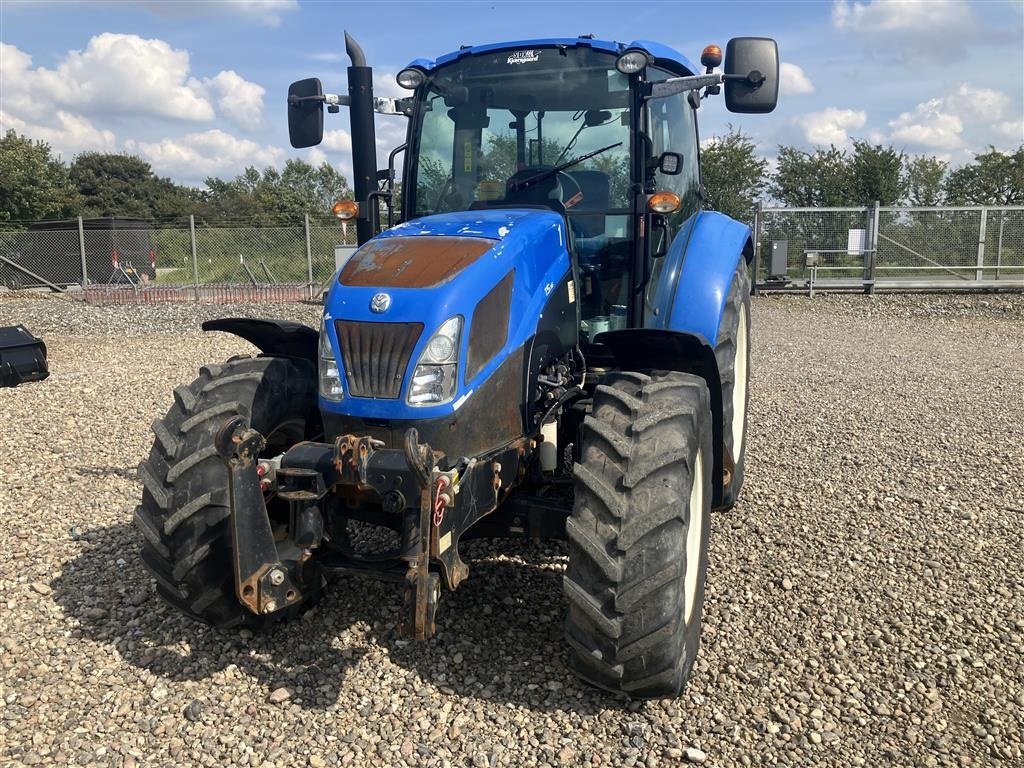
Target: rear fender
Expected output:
[639,349]
[279,338]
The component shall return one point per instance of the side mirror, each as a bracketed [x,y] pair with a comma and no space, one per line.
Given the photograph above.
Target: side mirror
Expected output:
[305,113]
[751,74]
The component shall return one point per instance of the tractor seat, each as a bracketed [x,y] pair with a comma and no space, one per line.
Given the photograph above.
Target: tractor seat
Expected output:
[547,192]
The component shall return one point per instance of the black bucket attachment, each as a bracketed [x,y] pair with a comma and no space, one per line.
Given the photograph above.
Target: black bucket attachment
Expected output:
[22,357]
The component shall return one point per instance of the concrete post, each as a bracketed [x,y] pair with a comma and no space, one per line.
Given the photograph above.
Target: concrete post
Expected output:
[195,257]
[309,256]
[979,273]
[872,249]
[81,247]
[757,247]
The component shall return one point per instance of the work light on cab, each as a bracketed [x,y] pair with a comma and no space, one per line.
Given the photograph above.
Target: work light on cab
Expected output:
[632,61]
[411,78]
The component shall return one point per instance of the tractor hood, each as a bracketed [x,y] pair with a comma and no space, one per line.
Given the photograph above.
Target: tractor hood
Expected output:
[399,288]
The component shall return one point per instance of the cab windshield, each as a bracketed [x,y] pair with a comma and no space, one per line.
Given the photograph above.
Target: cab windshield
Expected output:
[493,128]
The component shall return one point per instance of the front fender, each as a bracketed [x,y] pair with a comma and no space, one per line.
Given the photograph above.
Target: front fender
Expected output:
[709,263]
[281,338]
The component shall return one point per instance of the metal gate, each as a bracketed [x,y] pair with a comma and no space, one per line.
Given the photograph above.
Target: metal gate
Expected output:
[889,248]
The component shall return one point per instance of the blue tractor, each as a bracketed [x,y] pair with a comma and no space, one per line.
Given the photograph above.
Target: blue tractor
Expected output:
[551,341]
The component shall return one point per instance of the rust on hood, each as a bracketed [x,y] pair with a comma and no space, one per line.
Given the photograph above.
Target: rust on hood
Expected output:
[424,261]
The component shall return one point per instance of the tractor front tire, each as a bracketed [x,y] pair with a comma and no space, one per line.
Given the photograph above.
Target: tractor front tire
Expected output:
[732,352]
[638,534]
[184,517]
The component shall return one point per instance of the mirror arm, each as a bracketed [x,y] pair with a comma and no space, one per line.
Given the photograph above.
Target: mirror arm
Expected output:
[331,99]
[384,106]
[674,85]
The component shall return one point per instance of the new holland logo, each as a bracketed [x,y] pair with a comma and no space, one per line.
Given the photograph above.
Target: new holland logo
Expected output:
[522,57]
[380,302]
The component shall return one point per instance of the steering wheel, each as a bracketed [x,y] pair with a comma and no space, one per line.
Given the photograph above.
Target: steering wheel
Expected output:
[544,190]
[576,197]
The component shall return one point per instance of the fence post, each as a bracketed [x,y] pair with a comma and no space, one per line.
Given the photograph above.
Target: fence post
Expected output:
[979,273]
[195,257]
[81,247]
[757,247]
[999,245]
[872,249]
[309,256]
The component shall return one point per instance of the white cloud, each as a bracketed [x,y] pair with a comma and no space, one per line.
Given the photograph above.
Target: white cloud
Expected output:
[386,87]
[337,141]
[793,81]
[923,30]
[265,12]
[119,77]
[1012,131]
[928,126]
[891,16]
[327,57]
[831,125]
[237,99]
[940,123]
[116,74]
[316,156]
[68,134]
[195,156]
[125,76]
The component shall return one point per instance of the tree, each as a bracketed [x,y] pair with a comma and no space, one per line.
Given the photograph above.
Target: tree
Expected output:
[994,178]
[924,180]
[125,185]
[877,174]
[33,184]
[734,178]
[803,179]
[272,196]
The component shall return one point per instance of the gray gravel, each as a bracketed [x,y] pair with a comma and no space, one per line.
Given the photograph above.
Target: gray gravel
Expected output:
[865,598]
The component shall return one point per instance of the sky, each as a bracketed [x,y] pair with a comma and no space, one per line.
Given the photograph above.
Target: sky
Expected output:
[198,88]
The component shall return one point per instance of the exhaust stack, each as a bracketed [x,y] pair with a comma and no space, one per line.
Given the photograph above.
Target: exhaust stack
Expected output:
[364,142]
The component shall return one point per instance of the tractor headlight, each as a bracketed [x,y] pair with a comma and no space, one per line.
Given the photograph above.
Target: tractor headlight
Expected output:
[435,378]
[632,61]
[330,377]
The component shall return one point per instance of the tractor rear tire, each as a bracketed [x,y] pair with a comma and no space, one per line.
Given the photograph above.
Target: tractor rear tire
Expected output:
[184,515]
[733,355]
[638,534]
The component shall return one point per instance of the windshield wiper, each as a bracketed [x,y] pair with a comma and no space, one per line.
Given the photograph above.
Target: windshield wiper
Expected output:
[559,168]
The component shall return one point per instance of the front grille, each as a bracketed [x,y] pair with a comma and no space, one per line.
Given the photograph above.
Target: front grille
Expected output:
[376,355]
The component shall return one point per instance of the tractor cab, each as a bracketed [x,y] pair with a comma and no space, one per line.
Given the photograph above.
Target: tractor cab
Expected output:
[603,133]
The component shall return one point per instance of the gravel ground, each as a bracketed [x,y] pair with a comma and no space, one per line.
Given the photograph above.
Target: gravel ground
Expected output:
[865,598]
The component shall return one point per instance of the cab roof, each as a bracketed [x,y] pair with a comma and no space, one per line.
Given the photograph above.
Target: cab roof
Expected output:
[665,57]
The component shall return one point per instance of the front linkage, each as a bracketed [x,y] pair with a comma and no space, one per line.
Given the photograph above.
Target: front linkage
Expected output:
[429,506]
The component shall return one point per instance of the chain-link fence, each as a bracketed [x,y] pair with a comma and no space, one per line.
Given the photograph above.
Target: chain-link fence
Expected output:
[890,248]
[118,260]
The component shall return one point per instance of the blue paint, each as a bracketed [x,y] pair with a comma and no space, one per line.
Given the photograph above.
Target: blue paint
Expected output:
[664,56]
[695,278]
[533,242]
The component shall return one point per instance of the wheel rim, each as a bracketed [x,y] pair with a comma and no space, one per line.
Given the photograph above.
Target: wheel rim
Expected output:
[739,388]
[694,534]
